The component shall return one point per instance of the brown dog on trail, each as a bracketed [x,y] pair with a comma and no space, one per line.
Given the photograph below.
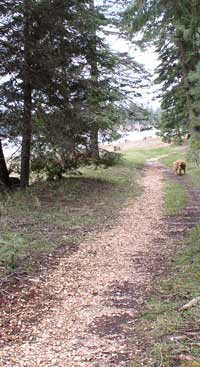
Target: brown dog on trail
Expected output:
[180,166]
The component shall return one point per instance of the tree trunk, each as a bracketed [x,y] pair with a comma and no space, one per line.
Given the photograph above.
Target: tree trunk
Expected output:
[94,144]
[27,120]
[4,174]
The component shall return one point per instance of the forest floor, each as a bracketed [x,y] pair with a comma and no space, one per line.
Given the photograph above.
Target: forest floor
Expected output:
[86,310]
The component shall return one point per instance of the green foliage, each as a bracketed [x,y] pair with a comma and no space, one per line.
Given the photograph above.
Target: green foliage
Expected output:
[15,247]
[109,159]
[174,30]
[51,163]
[193,154]
[8,250]
[77,85]
[47,165]
[194,78]
[174,122]
[74,82]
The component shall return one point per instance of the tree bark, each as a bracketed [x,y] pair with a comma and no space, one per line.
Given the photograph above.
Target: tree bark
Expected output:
[27,115]
[4,174]
[94,144]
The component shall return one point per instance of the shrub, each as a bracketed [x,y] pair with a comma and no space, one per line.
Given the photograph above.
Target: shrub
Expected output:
[109,159]
[194,150]
[52,165]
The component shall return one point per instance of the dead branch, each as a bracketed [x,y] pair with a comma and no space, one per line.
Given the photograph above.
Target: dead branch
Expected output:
[188,358]
[193,302]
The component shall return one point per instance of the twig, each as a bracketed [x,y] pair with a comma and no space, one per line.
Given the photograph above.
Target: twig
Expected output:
[193,302]
[188,358]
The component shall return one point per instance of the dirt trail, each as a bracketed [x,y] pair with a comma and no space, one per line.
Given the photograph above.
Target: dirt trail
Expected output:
[93,298]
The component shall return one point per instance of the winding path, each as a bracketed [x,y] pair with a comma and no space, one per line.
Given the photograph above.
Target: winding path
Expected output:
[93,299]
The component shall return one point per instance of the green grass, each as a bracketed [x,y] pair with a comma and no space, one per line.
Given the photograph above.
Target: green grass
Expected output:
[167,324]
[138,157]
[194,175]
[193,171]
[63,213]
[60,214]
[175,153]
[50,215]
[175,198]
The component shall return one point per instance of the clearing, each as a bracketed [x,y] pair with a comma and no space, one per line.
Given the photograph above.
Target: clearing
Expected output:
[85,310]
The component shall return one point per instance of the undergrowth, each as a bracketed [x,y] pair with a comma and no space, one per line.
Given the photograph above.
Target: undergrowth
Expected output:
[52,215]
[177,333]
[58,214]
[192,170]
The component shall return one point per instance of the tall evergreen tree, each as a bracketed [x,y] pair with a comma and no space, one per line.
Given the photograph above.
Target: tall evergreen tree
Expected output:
[94,73]
[27,93]
[175,23]
[62,83]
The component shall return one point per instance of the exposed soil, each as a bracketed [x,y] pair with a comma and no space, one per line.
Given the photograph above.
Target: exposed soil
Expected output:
[85,311]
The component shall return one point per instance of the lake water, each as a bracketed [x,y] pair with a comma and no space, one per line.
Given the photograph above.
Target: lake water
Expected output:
[11,148]
[137,135]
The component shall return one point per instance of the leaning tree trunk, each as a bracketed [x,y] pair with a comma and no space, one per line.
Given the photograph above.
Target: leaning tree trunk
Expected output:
[27,121]
[4,174]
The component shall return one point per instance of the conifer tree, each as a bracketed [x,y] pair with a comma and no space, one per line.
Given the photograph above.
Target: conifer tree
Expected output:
[175,24]
[62,84]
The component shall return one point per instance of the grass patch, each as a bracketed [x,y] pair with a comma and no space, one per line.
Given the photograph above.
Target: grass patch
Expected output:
[194,175]
[51,215]
[174,154]
[59,214]
[177,333]
[175,198]
[193,171]
[139,156]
